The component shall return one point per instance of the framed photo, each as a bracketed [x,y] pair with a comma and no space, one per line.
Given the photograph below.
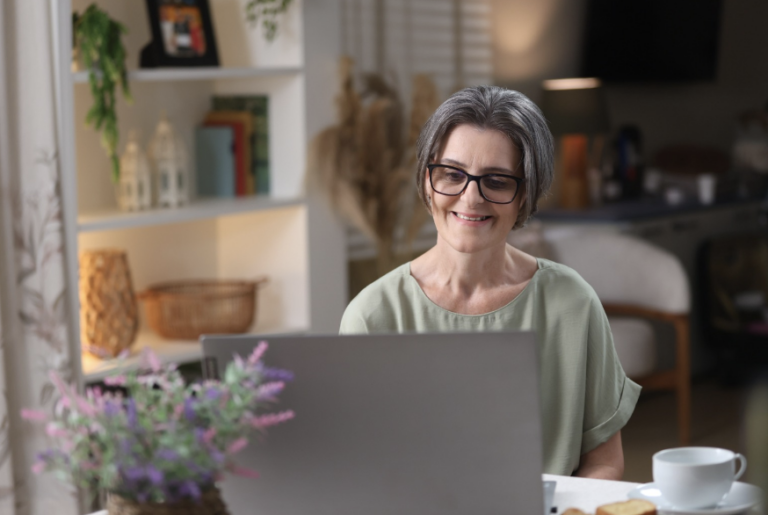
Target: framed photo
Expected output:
[182,34]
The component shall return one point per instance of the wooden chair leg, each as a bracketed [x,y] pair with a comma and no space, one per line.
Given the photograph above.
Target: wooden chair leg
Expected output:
[683,380]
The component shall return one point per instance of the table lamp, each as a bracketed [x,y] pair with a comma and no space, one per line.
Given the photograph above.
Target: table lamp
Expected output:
[577,113]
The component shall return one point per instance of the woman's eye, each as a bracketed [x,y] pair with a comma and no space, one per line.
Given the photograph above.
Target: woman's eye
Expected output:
[497,184]
[454,176]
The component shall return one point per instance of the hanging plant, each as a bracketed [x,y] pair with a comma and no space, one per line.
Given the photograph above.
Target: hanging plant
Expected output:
[267,11]
[99,41]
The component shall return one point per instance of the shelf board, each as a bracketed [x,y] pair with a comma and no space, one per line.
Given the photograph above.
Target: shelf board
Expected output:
[168,351]
[191,74]
[199,209]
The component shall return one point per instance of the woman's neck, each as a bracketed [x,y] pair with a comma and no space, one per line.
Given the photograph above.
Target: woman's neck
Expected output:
[467,273]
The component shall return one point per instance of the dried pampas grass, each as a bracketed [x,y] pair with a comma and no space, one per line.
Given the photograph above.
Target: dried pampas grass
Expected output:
[365,163]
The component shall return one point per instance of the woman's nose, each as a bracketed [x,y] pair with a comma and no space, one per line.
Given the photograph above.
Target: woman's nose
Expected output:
[472,194]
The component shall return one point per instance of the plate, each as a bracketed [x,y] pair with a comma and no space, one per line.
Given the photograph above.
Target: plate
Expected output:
[741,498]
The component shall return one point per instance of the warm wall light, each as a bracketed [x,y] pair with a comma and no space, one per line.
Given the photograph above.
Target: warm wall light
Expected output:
[575,109]
[578,83]
[574,106]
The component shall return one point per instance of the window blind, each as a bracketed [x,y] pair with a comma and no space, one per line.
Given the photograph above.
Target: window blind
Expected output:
[450,40]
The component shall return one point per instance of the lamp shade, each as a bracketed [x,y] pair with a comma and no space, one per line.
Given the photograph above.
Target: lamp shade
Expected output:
[575,106]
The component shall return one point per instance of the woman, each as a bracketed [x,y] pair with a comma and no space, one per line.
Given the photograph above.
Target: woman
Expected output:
[485,157]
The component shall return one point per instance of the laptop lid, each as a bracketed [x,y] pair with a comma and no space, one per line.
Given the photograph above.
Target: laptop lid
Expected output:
[395,424]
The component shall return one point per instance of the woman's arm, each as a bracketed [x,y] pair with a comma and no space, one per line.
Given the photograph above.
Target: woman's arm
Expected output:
[606,461]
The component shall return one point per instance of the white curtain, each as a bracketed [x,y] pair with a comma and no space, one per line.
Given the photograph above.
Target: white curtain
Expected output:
[34,314]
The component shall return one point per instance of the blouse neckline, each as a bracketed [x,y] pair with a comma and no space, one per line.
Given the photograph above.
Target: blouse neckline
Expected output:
[429,301]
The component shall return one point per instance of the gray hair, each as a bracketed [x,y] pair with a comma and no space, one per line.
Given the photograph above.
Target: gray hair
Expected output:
[503,110]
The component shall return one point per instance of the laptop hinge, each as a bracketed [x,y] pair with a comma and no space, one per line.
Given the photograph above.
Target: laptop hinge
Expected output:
[210,368]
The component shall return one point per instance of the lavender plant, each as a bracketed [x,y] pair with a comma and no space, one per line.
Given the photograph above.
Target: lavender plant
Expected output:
[163,440]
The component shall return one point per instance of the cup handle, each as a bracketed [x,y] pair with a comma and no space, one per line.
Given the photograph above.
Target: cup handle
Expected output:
[742,467]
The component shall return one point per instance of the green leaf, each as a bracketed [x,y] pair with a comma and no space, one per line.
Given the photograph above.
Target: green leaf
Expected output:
[267,11]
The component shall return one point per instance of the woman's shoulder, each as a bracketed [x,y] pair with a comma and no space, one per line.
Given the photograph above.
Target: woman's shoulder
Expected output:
[386,285]
[378,302]
[563,280]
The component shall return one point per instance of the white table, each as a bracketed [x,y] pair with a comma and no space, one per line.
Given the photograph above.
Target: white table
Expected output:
[587,494]
[574,492]
[577,492]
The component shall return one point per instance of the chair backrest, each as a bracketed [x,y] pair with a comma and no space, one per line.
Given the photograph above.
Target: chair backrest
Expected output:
[624,269]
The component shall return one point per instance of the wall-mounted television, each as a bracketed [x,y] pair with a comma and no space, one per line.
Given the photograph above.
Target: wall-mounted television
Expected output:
[651,40]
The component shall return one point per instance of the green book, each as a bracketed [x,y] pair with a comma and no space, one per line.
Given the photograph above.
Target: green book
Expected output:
[258,107]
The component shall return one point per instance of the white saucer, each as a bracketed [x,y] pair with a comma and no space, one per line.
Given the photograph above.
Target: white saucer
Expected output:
[741,498]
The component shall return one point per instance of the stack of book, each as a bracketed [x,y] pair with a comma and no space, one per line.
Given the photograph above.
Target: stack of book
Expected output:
[232,147]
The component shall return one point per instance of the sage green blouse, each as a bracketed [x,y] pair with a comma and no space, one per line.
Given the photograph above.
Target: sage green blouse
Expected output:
[586,397]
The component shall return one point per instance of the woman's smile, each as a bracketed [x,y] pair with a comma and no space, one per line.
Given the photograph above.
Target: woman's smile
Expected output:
[472,220]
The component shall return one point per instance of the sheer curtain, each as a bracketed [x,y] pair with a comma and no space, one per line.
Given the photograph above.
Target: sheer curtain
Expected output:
[34,312]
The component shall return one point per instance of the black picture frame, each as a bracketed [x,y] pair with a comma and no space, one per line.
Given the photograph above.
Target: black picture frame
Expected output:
[182,35]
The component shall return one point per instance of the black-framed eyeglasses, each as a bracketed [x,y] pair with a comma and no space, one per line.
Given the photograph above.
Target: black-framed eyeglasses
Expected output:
[494,187]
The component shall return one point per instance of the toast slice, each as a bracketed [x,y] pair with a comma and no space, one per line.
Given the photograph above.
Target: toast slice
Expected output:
[631,507]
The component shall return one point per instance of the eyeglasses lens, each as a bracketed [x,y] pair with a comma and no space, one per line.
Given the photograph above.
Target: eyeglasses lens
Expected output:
[493,187]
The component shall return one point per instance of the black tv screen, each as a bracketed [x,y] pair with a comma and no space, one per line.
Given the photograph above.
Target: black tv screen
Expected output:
[651,40]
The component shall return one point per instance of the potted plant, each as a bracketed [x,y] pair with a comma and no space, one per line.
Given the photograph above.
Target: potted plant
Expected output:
[98,43]
[267,11]
[158,445]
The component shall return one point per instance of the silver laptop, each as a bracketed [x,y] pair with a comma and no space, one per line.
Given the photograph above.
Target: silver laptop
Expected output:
[395,424]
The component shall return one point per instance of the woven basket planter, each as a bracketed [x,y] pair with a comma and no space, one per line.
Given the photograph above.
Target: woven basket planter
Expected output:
[210,503]
[109,316]
[184,310]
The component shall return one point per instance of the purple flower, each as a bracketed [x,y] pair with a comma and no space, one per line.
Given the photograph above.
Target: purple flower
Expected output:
[190,488]
[134,474]
[155,476]
[167,455]
[49,455]
[212,394]
[130,405]
[189,409]
[278,374]
[111,408]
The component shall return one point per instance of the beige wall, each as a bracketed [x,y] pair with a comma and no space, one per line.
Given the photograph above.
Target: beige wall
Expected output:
[539,39]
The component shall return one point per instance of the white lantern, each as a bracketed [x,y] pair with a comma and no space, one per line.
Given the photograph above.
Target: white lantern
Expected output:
[135,187]
[170,165]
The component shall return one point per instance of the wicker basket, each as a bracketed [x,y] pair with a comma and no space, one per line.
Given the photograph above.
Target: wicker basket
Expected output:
[186,309]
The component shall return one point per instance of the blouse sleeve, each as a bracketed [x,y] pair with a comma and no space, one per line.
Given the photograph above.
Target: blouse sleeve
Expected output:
[610,396]
[352,322]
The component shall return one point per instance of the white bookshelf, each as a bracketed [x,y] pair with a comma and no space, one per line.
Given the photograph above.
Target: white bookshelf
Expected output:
[233,238]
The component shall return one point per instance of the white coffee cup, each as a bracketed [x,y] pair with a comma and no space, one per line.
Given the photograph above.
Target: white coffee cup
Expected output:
[696,477]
